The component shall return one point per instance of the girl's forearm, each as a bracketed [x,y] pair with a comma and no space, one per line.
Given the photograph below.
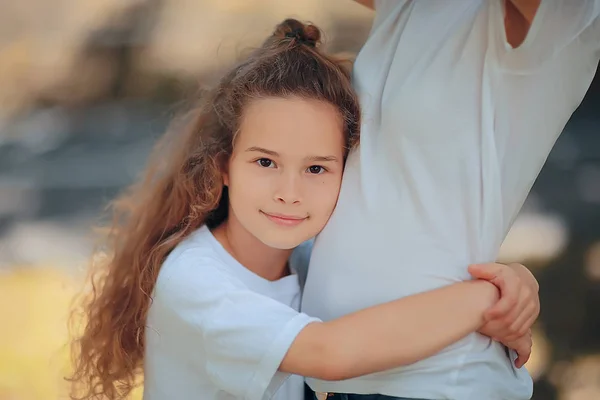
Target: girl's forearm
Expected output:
[392,334]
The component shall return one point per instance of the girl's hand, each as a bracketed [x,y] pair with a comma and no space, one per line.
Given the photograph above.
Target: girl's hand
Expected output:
[523,348]
[513,315]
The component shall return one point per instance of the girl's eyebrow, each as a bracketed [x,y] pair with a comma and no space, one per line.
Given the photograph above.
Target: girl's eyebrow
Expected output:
[322,158]
[275,154]
[263,150]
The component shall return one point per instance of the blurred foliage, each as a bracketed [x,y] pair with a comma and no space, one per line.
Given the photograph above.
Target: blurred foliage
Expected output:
[34,341]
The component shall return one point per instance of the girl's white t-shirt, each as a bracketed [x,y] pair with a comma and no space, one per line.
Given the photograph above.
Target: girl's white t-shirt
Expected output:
[217,331]
[456,127]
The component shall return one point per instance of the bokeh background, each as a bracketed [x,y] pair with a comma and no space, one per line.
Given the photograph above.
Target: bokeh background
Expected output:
[86,87]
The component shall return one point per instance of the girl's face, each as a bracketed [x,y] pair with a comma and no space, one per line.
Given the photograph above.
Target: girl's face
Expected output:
[286,168]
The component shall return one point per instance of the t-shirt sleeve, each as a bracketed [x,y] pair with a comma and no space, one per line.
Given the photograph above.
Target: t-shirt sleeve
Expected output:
[245,335]
[557,24]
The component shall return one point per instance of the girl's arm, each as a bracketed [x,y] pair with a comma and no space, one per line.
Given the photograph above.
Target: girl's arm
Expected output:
[242,338]
[389,335]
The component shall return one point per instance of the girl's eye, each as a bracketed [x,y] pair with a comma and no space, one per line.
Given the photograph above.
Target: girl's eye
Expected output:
[316,169]
[265,162]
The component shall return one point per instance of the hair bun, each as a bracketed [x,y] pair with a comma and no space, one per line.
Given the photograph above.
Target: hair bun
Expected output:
[293,29]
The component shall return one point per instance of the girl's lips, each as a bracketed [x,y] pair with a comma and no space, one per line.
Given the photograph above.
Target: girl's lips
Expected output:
[284,220]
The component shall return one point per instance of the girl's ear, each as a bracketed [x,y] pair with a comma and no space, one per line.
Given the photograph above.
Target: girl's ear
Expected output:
[225,179]
[225,171]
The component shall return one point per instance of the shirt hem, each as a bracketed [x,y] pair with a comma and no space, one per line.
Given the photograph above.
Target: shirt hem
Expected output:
[416,390]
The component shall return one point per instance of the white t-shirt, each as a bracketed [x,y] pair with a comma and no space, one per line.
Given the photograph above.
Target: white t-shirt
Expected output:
[217,331]
[457,125]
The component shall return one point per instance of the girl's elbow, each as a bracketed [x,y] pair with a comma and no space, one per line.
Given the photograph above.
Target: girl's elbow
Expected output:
[339,364]
[333,370]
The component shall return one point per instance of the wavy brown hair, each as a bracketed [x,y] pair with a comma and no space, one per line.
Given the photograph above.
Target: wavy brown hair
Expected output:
[182,190]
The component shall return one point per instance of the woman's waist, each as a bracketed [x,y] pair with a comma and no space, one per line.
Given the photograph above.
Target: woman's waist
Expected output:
[469,369]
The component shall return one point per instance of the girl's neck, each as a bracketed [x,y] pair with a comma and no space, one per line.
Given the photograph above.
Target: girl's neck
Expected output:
[265,261]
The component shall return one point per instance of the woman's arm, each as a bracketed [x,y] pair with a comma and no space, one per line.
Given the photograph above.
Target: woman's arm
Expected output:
[397,333]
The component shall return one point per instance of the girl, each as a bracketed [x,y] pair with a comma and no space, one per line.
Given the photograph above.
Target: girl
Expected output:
[198,288]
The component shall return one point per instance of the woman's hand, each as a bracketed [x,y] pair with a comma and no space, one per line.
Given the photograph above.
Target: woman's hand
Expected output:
[510,320]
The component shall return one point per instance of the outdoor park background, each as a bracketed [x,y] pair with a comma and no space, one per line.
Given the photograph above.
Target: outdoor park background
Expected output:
[87,86]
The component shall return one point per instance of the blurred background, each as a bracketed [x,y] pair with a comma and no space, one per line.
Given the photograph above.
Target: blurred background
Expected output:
[87,87]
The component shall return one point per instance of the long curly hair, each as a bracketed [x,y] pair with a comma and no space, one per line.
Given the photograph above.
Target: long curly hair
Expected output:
[181,190]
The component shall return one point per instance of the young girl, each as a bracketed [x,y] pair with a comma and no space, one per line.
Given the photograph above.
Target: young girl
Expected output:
[198,289]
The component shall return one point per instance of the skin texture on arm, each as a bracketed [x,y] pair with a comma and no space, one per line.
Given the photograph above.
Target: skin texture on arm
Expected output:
[389,335]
